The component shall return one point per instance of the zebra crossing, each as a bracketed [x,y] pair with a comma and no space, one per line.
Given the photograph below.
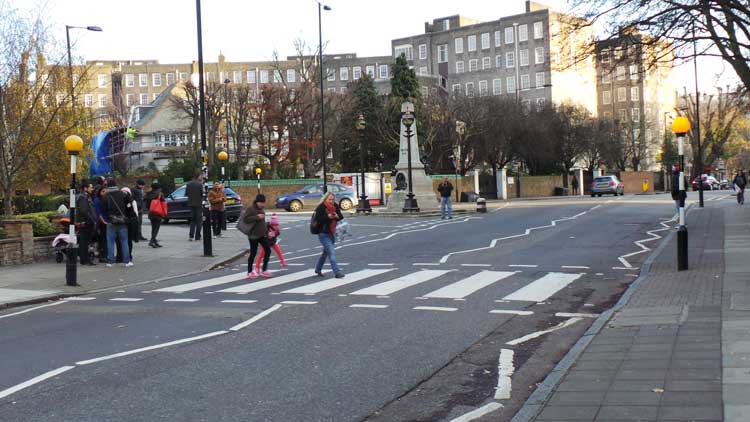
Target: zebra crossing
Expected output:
[444,284]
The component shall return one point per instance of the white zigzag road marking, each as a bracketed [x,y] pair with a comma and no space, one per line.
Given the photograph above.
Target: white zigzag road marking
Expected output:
[640,244]
[528,231]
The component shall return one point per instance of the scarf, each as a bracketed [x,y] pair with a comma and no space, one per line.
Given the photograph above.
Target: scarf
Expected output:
[331,208]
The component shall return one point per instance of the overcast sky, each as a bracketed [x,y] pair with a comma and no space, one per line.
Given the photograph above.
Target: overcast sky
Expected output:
[246,30]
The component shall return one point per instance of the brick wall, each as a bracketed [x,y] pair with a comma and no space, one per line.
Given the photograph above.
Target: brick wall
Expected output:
[11,251]
[22,232]
[534,186]
[465,184]
[633,181]
[271,192]
[43,249]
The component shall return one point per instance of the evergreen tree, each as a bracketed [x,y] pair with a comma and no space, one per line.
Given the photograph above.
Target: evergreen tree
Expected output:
[404,83]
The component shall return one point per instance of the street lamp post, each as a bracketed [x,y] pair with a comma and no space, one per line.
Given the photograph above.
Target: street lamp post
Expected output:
[407,118]
[681,126]
[698,122]
[364,203]
[460,130]
[321,7]
[207,245]
[74,145]
[70,60]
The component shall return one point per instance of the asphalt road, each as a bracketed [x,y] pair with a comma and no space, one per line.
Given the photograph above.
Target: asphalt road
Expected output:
[425,347]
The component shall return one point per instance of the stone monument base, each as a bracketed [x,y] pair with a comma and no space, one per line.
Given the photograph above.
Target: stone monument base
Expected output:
[426,197]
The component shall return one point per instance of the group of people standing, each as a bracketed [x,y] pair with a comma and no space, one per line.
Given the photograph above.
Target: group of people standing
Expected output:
[112,217]
[263,235]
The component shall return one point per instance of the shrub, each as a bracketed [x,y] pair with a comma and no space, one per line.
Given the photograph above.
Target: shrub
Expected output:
[28,204]
[41,224]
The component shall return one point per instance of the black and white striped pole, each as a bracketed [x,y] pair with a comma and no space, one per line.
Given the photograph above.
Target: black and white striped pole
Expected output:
[74,145]
[680,127]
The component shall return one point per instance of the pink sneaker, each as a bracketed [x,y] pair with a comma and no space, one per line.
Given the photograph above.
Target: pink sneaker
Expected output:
[252,274]
[266,274]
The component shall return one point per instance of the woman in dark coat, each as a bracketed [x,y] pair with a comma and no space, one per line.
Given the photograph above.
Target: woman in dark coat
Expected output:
[156,220]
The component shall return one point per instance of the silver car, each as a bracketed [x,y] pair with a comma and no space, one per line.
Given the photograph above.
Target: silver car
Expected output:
[609,184]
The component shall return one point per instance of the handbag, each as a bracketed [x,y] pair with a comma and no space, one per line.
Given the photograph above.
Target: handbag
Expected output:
[314,224]
[244,227]
[158,207]
[118,219]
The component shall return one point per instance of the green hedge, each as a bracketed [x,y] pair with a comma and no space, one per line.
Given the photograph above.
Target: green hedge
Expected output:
[28,204]
[41,224]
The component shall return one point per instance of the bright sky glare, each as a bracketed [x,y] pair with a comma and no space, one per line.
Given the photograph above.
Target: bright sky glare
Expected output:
[244,30]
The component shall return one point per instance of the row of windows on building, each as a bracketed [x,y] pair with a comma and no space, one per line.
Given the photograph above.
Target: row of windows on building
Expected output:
[509,60]
[250,76]
[130,99]
[497,88]
[471,42]
[606,54]
[622,95]
[632,114]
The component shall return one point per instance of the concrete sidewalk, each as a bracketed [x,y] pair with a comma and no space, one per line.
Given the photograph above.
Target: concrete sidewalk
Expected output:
[46,280]
[677,345]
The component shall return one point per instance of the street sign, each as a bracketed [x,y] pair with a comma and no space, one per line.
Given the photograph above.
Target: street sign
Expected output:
[510,180]
[179,180]
[387,188]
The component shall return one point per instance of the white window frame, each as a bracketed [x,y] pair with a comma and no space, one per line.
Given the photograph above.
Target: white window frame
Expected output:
[129,80]
[509,35]
[633,72]
[460,68]
[540,80]
[510,84]
[471,43]
[103,100]
[263,77]
[237,76]
[88,100]
[538,30]
[370,70]
[422,51]
[141,97]
[383,69]
[540,102]
[634,94]
[498,38]
[101,80]
[456,89]
[499,61]
[143,80]
[523,57]
[183,76]
[291,76]
[635,114]
[485,40]
[623,115]
[606,97]
[483,90]
[523,33]
[469,89]
[486,63]
[170,78]
[510,59]
[606,78]
[620,73]
[331,74]
[343,73]
[473,65]
[278,76]
[251,76]
[156,79]
[458,45]
[497,86]
[130,100]
[604,56]
[442,53]
[356,73]
[405,49]
[622,94]
[538,55]
[525,82]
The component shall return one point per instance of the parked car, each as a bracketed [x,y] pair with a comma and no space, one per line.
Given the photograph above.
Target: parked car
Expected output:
[709,183]
[609,184]
[724,184]
[309,196]
[177,208]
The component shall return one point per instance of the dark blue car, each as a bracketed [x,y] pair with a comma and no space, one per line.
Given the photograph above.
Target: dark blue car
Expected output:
[309,196]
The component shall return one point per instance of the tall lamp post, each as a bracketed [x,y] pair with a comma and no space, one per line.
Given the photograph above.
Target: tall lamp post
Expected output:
[460,130]
[364,203]
[321,7]
[698,121]
[407,118]
[70,60]
[207,245]
[74,145]
[681,126]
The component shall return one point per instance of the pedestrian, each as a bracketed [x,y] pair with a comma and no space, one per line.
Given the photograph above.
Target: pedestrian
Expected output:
[327,214]
[254,217]
[739,186]
[194,190]
[86,221]
[155,217]
[119,211]
[138,195]
[678,196]
[101,223]
[273,241]
[133,221]
[216,201]
[445,188]
[575,185]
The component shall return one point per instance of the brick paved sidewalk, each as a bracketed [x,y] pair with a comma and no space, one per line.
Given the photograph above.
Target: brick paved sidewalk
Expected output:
[659,358]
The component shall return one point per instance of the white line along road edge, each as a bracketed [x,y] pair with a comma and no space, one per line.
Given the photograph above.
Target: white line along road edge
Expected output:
[34,309]
[639,243]
[35,380]
[256,317]
[543,332]
[505,371]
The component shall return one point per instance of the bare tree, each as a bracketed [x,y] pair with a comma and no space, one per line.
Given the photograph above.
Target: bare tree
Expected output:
[186,99]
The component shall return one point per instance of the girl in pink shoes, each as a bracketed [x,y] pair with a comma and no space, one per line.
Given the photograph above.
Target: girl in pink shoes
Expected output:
[273,236]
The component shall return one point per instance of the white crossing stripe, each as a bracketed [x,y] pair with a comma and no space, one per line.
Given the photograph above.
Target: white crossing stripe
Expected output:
[182,288]
[364,305]
[503,311]
[541,289]
[467,286]
[239,301]
[333,283]
[182,300]
[434,308]
[80,298]
[392,286]
[127,299]
[298,302]
[273,282]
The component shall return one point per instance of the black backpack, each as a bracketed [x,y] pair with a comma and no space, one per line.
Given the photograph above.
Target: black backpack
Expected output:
[314,224]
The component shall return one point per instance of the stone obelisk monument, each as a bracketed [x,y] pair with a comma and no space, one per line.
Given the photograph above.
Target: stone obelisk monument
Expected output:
[422,184]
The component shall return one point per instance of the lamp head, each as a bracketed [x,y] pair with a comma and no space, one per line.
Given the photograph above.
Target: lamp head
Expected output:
[258,170]
[407,118]
[94,28]
[681,125]
[226,81]
[325,7]
[223,156]
[73,144]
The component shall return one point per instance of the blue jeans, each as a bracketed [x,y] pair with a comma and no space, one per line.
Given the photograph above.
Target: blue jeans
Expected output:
[327,240]
[196,222]
[445,202]
[114,231]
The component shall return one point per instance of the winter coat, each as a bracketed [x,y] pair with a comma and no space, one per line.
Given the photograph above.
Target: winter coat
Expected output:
[259,225]
[194,191]
[445,189]
[321,215]
[216,199]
